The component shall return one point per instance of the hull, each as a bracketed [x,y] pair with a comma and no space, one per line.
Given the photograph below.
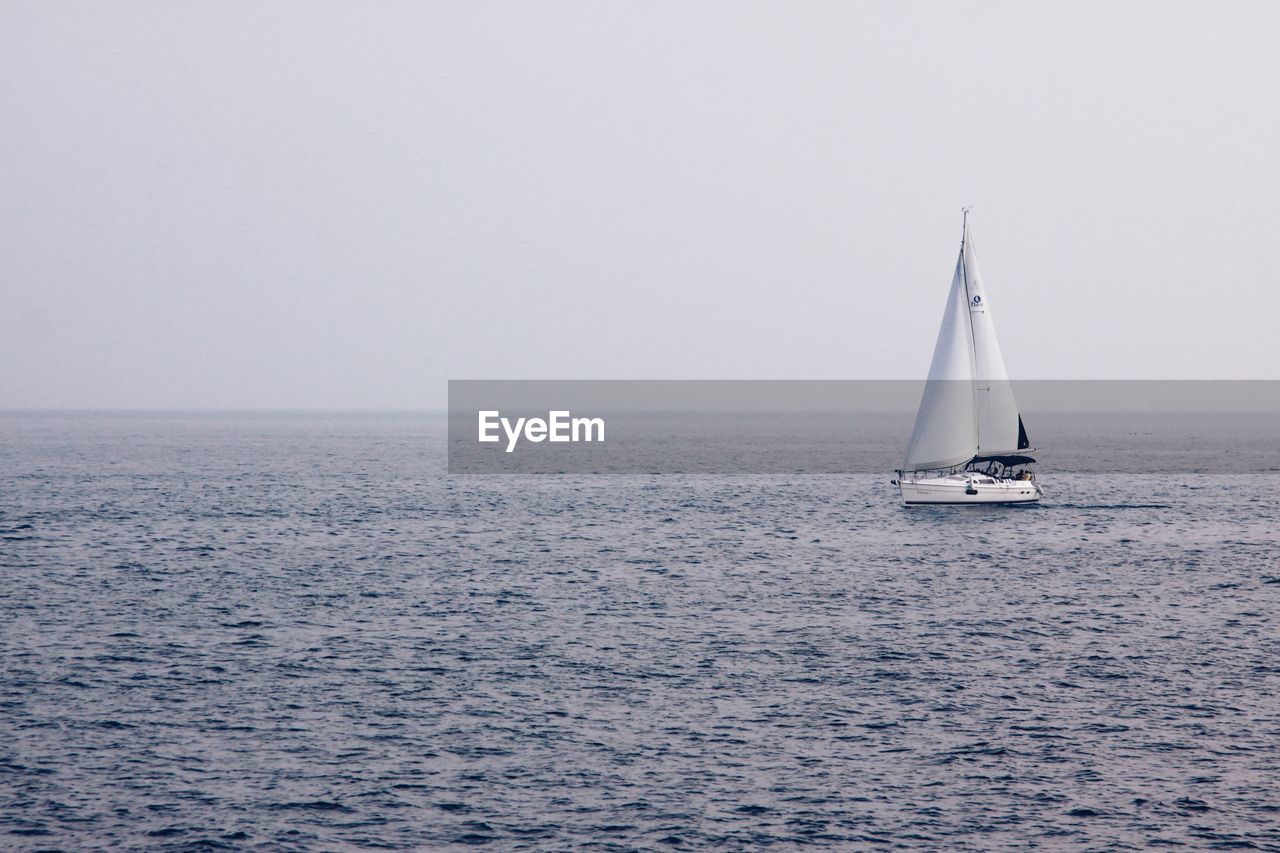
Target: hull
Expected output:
[961,489]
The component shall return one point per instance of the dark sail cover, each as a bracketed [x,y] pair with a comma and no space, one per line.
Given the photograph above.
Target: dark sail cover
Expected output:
[1023,441]
[1009,459]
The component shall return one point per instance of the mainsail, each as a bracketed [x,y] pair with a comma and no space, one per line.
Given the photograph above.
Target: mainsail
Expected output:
[997,413]
[967,409]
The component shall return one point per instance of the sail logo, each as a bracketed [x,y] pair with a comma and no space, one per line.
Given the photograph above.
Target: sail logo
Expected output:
[977,301]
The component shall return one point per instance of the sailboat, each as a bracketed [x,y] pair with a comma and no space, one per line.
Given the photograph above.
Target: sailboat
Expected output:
[969,445]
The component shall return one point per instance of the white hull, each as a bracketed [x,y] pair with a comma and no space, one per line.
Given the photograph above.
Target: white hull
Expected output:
[967,489]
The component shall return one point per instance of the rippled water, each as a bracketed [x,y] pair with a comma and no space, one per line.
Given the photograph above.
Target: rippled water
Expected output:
[296,632]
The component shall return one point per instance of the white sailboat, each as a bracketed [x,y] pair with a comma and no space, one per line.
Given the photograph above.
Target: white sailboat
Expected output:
[969,445]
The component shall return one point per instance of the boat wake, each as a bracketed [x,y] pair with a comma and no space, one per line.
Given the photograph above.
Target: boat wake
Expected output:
[1109,506]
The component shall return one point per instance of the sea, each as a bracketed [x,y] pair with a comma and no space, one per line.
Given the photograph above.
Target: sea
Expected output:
[296,631]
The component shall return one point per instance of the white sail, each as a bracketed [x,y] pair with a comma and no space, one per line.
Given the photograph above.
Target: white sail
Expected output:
[946,431]
[967,408]
[995,409]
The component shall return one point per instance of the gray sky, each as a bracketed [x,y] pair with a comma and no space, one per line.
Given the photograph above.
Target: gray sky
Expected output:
[345,204]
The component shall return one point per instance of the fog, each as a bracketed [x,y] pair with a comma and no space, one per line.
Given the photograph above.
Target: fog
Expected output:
[341,205]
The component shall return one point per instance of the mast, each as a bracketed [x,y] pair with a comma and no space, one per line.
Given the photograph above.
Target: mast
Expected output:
[973,338]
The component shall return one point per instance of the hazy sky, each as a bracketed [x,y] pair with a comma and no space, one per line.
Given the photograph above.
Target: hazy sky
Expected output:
[259,204]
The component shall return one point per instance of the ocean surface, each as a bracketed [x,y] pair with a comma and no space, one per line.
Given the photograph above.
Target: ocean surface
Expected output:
[296,632]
